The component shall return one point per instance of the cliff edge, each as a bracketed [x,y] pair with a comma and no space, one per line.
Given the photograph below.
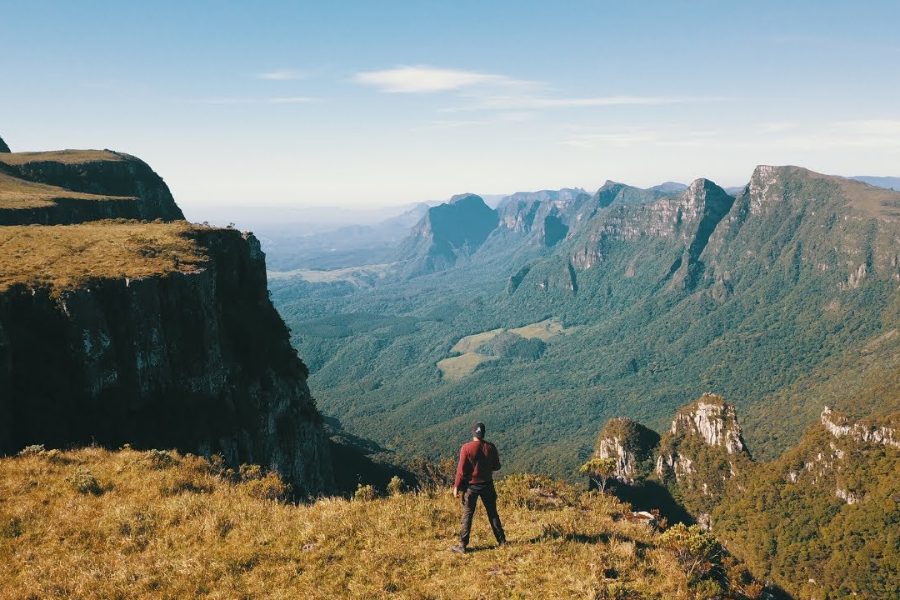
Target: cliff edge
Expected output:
[154,334]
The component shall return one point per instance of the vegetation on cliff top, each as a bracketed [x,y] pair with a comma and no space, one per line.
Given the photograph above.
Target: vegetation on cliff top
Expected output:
[19,194]
[68,157]
[64,258]
[97,524]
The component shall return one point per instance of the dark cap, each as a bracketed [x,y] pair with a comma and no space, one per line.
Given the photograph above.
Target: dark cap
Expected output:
[478,430]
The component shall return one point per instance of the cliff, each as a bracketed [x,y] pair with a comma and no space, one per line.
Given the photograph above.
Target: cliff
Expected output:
[75,186]
[155,334]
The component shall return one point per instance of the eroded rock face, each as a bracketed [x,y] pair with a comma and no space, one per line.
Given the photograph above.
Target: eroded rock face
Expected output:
[714,420]
[198,361]
[628,443]
[702,452]
[840,426]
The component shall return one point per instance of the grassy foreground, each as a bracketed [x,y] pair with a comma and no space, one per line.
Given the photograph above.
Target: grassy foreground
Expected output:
[91,523]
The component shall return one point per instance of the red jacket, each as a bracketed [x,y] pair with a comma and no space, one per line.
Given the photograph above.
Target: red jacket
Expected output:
[477,462]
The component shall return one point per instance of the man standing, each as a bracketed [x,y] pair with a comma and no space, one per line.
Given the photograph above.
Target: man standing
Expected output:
[478,460]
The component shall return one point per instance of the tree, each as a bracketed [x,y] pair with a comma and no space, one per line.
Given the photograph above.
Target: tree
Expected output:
[599,470]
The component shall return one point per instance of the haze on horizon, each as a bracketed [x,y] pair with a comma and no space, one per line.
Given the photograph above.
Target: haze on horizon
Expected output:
[363,104]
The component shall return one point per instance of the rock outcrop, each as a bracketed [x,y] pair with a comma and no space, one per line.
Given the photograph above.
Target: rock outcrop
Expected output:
[840,426]
[701,452]
[630,444]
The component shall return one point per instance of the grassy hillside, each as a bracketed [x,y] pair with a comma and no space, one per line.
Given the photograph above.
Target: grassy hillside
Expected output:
[97,524]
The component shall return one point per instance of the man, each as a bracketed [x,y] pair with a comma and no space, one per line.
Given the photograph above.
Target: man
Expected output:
[478,460]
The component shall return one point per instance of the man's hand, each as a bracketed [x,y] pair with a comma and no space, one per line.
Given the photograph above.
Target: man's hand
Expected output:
[455,491]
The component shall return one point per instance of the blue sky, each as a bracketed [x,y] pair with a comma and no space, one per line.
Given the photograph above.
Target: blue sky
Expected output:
[391,102]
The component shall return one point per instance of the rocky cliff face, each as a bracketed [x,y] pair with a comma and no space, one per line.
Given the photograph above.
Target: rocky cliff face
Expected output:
[198,361]
[821,519]
[630,444]
[131,189]
[140,347]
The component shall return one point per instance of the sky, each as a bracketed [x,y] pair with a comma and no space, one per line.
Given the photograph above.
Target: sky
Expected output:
[385,103]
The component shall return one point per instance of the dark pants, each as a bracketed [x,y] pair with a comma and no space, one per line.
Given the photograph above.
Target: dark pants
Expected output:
[488,496]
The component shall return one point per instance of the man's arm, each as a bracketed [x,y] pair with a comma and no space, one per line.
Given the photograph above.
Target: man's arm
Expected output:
[460,471]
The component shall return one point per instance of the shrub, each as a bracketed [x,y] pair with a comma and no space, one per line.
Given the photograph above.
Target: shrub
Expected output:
[697,551]
[32,450]
[84,482]
[395,486]
[268,487]
[364,493]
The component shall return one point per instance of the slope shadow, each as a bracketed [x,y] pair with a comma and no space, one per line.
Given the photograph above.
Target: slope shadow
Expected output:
[359,461]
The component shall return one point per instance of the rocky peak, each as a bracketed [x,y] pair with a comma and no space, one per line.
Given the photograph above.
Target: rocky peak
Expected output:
[3,147]
[628,443]
[713,420]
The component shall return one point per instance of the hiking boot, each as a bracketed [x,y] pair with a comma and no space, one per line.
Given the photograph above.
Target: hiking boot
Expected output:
[458,548]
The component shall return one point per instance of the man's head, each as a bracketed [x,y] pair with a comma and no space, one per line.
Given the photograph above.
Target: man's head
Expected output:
[478,431]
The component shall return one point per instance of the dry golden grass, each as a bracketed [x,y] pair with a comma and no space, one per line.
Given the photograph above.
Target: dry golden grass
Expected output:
[471,343]
[17,193]
[68,157]
[68,257]
[543,330]
[458,367]
[97,524]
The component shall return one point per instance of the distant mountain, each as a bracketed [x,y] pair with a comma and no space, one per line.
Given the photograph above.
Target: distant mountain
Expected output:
[3,146]
[891,183]
[294,246]
[563,195]
[446,233]
[669,187]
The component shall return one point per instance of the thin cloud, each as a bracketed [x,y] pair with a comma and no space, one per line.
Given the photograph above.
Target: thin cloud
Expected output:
[256,101]
[281,75]
[423,79]
[543,102]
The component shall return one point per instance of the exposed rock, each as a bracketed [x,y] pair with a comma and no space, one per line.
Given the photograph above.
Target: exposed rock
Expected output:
[840,426]
[628,443]
[714,420]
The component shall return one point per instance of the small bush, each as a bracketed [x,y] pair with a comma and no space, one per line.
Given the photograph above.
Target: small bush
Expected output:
[32,450]
[84,482]
[395,486]
[11,528]
[269,487]
[159,459]
[364,493]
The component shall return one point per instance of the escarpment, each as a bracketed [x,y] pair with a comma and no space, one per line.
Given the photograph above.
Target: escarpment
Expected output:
[76,186]
[158,335]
